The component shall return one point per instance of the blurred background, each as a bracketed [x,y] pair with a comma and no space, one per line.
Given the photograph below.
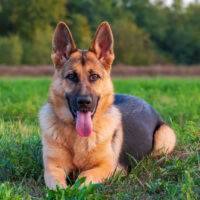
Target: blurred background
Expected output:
[146,32]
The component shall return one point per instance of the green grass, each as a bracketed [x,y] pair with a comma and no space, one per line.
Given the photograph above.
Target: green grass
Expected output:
[173,177]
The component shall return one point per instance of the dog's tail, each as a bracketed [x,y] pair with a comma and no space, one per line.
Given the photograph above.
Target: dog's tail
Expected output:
[164,140]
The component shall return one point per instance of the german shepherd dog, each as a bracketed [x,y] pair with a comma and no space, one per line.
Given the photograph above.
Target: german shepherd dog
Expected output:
[85,126]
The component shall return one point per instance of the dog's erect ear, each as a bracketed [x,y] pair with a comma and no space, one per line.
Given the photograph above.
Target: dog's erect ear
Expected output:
[102,45]
[63,44]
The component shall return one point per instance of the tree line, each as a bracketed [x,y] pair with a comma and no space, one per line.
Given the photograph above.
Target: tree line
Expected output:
[145,33]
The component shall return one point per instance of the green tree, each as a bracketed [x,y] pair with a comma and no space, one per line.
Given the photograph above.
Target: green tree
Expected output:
[38,51]
[177,6]
[132,45]
[183,36]
[95,11]
[25,16]
[10,50]
[80,30]
[153,20]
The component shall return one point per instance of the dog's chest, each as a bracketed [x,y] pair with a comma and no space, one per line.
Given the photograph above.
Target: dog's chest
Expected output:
[83,150]
[81,161]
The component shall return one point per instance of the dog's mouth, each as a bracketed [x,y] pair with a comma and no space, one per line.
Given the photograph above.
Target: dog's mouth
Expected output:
[83,119]
[84,123]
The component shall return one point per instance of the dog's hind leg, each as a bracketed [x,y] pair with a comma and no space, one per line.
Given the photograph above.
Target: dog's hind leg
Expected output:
[164,140]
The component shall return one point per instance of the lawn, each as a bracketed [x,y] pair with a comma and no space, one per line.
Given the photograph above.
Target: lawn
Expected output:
[169,177]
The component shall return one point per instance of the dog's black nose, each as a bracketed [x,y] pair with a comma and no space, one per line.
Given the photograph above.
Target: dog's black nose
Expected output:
[84,101]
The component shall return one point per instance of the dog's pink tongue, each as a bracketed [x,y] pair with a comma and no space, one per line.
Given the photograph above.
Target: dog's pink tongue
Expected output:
[84,124]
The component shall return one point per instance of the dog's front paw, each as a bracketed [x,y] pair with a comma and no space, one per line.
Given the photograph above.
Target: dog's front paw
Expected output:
[89,178]
[51,182]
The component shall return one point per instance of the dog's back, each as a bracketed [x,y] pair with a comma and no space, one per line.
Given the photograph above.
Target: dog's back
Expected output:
[139,122]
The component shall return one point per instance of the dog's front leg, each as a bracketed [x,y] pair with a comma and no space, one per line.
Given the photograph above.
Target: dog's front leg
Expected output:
[57,164]
[99,173]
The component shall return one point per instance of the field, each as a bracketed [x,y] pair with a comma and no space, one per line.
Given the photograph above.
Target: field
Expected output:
[169,177]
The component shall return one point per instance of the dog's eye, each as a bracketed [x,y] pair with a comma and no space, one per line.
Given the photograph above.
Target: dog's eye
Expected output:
[72,77]
[94,77]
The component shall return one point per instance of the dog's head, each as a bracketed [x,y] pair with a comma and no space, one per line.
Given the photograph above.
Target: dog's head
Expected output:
[82,89]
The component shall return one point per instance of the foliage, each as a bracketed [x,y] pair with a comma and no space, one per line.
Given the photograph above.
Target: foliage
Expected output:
[95,11]
[132,45]
[76,192]
[25,16]
[81,31]
[10,50]
[171,33]
[173,30]
[183,35]
[39,50]
[6,192]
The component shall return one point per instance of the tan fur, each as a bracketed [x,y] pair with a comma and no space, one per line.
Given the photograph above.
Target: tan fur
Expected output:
[164,141]
[65,151]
